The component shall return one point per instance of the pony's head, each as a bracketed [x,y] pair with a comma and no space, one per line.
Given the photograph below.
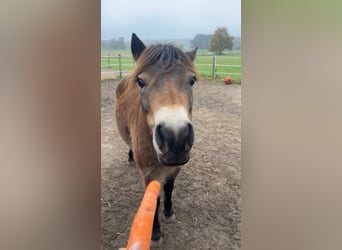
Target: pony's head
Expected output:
[165,76]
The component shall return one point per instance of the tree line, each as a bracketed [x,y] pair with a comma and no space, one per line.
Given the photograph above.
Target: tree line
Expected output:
[218,42]
[119,43]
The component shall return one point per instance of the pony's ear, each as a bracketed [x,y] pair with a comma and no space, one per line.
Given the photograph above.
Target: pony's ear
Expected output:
[137,46]
[192,54]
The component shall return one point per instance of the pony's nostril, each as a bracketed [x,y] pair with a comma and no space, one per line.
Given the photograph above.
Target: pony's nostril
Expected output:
[159,136]
[188,136]
[183,133]
[176,141]
[162,136]
[191,135]
[185,138]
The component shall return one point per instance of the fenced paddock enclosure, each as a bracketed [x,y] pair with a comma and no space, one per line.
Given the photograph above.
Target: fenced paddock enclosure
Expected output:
[120,63]
[207,193]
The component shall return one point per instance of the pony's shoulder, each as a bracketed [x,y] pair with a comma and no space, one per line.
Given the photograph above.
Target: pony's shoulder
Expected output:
[122,86]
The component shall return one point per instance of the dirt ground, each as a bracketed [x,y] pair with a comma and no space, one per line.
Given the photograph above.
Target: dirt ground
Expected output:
[207,192]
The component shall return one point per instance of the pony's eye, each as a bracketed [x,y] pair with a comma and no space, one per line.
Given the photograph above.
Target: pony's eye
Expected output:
[140,82]
[193,80]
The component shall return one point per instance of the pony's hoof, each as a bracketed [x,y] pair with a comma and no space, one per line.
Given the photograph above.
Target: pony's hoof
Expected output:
[168,219]
[131,163]
[156,243]
[130,160]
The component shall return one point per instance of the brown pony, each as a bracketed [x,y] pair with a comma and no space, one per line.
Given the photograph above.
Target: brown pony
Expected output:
[153,115]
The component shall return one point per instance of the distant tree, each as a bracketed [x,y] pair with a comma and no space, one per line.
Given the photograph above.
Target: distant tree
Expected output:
[105,44]
[221,41]
[237,43]
[113,43]
[121,43]
[201,41]
[180,46]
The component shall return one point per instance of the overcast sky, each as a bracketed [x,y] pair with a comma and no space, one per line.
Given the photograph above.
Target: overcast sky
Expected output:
[163,19]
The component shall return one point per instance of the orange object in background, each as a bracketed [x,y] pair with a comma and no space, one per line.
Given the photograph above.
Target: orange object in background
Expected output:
[141,230]
[227,80]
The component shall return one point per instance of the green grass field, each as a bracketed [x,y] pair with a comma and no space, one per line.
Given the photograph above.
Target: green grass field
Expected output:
[226,65]
[112,62]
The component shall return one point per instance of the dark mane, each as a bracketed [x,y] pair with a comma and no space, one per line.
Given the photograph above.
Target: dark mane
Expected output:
[166,56]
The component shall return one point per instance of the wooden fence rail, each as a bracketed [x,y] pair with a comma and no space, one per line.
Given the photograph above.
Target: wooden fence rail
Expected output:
[123,64]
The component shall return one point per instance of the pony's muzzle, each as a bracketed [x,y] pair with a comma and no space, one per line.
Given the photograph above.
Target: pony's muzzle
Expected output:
[174,144]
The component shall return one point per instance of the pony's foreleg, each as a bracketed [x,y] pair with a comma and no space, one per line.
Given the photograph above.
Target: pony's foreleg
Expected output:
[168,211]
[156,235]
[130,156]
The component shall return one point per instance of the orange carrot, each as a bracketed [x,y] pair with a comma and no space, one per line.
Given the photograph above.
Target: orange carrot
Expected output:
[141,230]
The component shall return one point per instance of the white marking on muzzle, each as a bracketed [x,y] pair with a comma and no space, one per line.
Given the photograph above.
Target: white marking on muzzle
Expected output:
[172,117]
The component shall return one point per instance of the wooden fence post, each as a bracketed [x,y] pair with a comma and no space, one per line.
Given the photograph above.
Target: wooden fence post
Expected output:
[109,61]
[120,68]
[213,73]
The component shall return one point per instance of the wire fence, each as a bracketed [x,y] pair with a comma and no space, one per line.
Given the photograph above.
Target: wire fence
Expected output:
[208,66]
